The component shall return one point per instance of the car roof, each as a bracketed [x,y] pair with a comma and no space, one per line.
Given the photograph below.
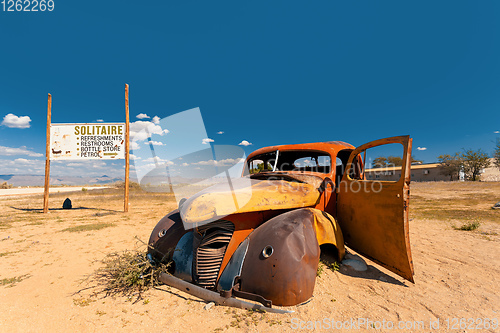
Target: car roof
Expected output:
[331,147]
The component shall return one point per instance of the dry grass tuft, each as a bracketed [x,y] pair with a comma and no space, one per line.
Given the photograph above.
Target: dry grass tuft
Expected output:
[89,227]
[83,301]
[127,273]
[133,186]
[455,202]
[11,282]
[473,225]
[5,225]
[3,254]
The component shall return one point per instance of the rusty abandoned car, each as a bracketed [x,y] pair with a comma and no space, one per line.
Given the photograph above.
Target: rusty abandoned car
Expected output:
[300,199]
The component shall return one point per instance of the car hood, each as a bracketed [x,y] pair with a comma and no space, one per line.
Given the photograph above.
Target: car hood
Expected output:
[247,195]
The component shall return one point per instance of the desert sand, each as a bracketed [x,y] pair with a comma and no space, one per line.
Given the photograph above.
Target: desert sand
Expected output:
[12,192]
[43,259]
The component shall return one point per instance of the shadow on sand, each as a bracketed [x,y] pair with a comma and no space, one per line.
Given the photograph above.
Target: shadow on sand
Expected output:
[372,272]
[40,210]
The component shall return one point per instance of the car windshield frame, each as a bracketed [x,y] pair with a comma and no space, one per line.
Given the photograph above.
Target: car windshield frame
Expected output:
[277,159]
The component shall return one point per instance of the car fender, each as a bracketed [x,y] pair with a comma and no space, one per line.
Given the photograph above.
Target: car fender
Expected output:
[328,231]
[279,259]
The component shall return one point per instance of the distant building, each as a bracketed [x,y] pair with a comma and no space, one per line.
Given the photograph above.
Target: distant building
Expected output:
[491,174]
[427,173]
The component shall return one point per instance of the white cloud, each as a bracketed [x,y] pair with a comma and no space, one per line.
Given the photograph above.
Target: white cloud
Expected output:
[220,132]
[96,164]
[22,166]
[154,143]
[8,151]
[209,162]
[158,160]
[227,161]
[184,164]
[14,121]
[142,116]
[22,160]
[496,132]
[233,160]
[421,148]
[156,120]
[206,141]
[133,157]
[139,130]
[155,159]
[100,120]
[134,145]
[244,143]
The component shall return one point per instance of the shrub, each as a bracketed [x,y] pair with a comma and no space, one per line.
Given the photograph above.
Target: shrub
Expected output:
[127,273]
[469,226]
[133,186]
[5,185]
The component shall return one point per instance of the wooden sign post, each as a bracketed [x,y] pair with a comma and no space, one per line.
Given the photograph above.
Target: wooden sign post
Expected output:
[85,142]
[127,146]
[47,158]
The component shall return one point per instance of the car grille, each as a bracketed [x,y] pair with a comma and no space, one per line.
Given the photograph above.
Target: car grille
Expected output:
[210,245]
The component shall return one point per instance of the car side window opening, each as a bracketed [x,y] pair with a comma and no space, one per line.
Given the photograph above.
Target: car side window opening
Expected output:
[357,168]
[379,162]
[341,162]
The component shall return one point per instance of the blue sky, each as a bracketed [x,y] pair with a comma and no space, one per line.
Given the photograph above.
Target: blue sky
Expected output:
[268,72]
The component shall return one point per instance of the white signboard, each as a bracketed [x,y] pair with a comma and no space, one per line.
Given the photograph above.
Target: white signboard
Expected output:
[87,141]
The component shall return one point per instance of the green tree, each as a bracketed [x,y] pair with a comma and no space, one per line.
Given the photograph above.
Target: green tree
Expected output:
[415,161]
[391,161]
[450,165]
[394,161]
[260,168]
[473,161]
[379,162]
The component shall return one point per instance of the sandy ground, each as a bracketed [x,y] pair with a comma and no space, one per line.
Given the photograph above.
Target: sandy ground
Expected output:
[457,273]
[12,192]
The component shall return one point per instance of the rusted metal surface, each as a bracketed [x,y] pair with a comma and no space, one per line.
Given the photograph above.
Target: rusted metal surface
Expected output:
[330,147]
[328,202]
[244,225]
[328,231]
[183,257]
[286,276]
[261,237]
[373,215]
[165,236]
[233,268]
[313,180]
[211,296]
[209,246]
[236,292]
[258,195]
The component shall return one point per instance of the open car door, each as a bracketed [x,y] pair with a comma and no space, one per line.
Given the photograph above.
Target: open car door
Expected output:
[373,214]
